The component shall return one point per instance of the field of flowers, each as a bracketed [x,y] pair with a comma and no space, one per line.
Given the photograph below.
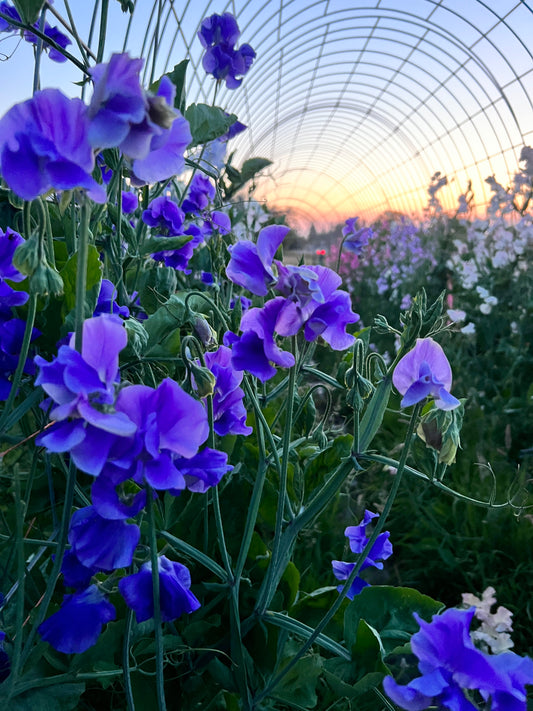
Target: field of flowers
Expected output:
[230,482]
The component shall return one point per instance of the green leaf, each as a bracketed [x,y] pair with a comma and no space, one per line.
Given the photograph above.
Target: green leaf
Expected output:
[163,244]
[374,413]
[389,610]
[60,697]
[207,122]
[368,651]
[177,77]
[94,276]
[157,284]
[252,166]
[29,10]
[298,686]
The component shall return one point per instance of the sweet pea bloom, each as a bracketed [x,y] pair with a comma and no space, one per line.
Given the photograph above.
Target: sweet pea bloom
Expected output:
[164,216]
[314,301]
[380,551]
[82,386]
[200,194]
[76,626]
[175,596]
[355,239]
[250,264]
[168,422]
[44,144]
[218,34]
[100,543]
[449,663]
[256,349]
[425,371]
[228,397]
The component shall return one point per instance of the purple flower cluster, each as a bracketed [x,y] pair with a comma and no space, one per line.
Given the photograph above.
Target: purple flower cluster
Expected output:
[51,32]
[218,34]
[166,219]
[449,664]
[380,551]
[228,397]
[132,440]
[310,299]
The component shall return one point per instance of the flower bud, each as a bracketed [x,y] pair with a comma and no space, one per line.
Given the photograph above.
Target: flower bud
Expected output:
[26,258]
[45,280]
[204,380]
[204,332]
[440,430]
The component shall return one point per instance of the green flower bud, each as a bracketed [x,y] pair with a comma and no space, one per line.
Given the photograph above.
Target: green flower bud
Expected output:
[26,258]
[137,338]
[45,280]
[204,332]
[440,430]
[204,379]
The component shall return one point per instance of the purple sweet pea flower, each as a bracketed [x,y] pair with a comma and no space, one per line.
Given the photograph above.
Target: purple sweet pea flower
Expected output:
[228,407]
[105,544]
[218,34]
[56,36]
[355,239]
[200,194]
[78,623]
[219,29]
[118,103]
[179,258]
[314,301]
[9,241]
[175,596]
[169,422]
[11,12]
[106,303]
[425,371]
[75,574]
[234,130]
[164,216]
[250,264]
[216,221]
[202,471]
[83,387]
[256,349]
[380,551]
[11,337]
[449,663]
[165,158]
[44,144]
[130,202]
[111,499]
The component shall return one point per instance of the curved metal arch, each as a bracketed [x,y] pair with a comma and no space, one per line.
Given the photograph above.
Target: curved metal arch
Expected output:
[446,133]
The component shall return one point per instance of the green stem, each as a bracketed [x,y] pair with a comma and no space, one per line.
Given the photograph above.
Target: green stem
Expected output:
[154,560]
[128,691]
[81,274]
[268,588]
[293,626]
[103,31]
[368,547]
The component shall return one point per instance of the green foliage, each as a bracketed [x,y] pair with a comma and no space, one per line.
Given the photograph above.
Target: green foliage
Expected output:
[207,122]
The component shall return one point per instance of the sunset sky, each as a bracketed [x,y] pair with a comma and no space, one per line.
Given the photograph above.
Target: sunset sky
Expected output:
[356,103]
